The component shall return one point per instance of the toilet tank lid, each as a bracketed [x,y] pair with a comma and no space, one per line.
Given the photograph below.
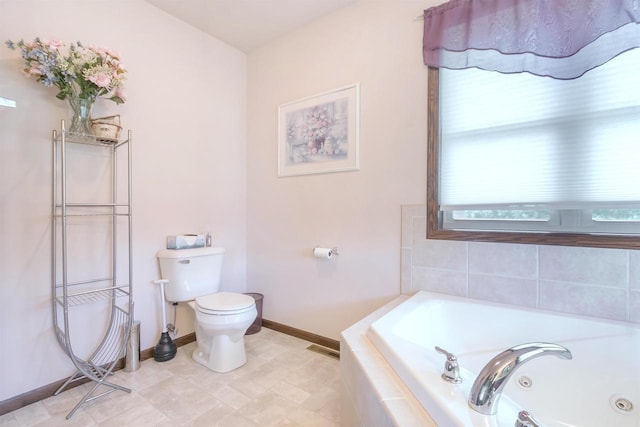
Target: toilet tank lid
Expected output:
[189,253]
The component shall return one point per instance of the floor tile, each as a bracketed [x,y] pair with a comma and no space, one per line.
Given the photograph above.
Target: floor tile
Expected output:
[282,384]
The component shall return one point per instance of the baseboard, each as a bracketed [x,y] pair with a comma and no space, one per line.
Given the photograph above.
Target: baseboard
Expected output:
[299,333]
[46,391]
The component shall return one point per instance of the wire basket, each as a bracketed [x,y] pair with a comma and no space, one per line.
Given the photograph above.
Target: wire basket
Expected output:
[106,129]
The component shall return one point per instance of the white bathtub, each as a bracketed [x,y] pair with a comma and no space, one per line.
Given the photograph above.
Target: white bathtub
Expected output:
[583,392]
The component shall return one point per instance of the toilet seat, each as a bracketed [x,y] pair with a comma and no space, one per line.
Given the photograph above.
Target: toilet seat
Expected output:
[224,303]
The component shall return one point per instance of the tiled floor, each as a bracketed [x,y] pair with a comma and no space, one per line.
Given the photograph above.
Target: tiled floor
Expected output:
[282,384]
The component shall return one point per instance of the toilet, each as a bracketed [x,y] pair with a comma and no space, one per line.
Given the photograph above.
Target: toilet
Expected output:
[221,318]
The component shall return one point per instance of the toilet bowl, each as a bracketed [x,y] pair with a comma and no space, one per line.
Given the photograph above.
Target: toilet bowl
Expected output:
[221,318]
[221,322]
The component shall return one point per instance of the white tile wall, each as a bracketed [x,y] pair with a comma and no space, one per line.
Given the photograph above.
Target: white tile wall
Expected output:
[595,282]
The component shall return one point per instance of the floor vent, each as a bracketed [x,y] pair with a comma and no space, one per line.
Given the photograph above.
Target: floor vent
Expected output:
[324,350]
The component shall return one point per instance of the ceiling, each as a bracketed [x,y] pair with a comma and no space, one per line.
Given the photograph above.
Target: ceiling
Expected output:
[248,24]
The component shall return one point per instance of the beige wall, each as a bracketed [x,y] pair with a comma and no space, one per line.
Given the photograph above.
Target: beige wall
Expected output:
[378,44]
[187,110]
[204,118]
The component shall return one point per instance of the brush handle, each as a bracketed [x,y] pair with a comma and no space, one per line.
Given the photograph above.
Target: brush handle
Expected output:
[162,282]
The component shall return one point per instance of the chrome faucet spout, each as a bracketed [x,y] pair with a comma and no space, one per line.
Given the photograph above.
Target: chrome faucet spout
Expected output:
[487,388]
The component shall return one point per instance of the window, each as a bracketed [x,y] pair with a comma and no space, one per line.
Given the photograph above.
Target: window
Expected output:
[518,157]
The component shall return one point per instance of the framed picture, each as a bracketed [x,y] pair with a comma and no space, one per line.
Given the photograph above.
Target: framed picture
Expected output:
[320,134]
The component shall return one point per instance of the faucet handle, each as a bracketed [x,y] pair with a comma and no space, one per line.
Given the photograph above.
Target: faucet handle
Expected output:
[525,419]
[450,356]
[451,368]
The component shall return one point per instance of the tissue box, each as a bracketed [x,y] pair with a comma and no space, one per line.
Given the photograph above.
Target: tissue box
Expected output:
[186,241]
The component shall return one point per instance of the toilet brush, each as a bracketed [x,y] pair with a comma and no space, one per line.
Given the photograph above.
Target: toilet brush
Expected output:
[165,349]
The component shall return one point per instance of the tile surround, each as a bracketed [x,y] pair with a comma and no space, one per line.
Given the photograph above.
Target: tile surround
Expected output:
[372,393]
[634,270]
[634,306]
[603,283]
[586,266]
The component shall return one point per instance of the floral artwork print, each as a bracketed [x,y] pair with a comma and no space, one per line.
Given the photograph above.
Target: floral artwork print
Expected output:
[318,133]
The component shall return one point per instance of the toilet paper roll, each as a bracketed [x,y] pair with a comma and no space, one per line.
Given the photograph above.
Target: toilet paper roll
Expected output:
[324,253]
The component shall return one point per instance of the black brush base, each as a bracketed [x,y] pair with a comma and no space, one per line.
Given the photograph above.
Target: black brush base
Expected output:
[165,349]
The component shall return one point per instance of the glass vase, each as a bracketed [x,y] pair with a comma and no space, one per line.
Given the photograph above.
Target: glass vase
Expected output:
[81,109]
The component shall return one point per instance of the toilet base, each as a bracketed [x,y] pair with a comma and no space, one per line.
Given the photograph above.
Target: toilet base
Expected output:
[220,339]
[220,353]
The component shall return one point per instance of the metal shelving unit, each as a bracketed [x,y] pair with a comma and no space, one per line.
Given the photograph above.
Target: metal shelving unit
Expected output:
[113,292]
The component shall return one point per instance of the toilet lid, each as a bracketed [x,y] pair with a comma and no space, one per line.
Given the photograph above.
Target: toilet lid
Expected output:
[224,301]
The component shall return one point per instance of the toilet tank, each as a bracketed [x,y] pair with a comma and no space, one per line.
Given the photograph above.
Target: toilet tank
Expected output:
[191,272]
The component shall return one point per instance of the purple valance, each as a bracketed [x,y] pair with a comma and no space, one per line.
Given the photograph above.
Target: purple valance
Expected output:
[557,38]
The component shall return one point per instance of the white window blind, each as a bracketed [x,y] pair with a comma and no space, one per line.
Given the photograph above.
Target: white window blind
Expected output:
[518,140]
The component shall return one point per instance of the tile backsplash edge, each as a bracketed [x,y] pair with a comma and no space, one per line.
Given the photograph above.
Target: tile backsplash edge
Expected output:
[601,283]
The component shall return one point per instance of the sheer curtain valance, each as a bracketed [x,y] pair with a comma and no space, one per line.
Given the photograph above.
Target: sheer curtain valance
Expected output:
[562,39]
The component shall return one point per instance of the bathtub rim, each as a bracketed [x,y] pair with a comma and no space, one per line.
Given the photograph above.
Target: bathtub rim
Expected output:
[437,388]
[371,389]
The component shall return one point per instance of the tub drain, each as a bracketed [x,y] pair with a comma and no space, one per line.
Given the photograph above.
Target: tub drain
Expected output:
[622,404]
[525,381]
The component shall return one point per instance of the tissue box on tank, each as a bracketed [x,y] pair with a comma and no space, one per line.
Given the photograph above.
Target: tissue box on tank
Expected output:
[186,241]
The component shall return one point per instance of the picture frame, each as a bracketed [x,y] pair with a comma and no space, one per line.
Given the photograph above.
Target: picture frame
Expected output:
[320,133]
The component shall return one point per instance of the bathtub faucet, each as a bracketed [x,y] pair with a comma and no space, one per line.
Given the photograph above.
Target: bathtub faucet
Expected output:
[487,388]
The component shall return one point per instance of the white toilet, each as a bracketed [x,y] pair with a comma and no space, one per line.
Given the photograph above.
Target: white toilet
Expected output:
[222,318]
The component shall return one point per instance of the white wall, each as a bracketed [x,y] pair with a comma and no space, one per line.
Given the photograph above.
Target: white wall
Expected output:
[379,45]
[187,110]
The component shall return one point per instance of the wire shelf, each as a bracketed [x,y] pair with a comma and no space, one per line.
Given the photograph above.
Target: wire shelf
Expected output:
[86,297]
[80,138]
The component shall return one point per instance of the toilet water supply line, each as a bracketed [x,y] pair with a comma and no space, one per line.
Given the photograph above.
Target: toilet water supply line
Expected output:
[173,327]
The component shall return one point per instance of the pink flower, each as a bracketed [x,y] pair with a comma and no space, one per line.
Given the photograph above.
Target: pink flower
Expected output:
[33,71]
[100,79]
[97,49]
[105,51]
[52,44]
[112,53]
[120,94]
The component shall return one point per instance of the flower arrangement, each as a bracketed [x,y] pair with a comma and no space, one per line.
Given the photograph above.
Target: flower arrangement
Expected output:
[316,124]
[78,71]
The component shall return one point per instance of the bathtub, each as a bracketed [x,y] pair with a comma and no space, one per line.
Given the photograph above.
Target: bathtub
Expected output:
[599,387]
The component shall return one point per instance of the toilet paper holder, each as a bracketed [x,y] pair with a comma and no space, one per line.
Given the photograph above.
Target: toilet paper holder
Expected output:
[325,253]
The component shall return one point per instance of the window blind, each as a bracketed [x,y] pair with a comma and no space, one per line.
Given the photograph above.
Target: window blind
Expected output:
[524,141]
